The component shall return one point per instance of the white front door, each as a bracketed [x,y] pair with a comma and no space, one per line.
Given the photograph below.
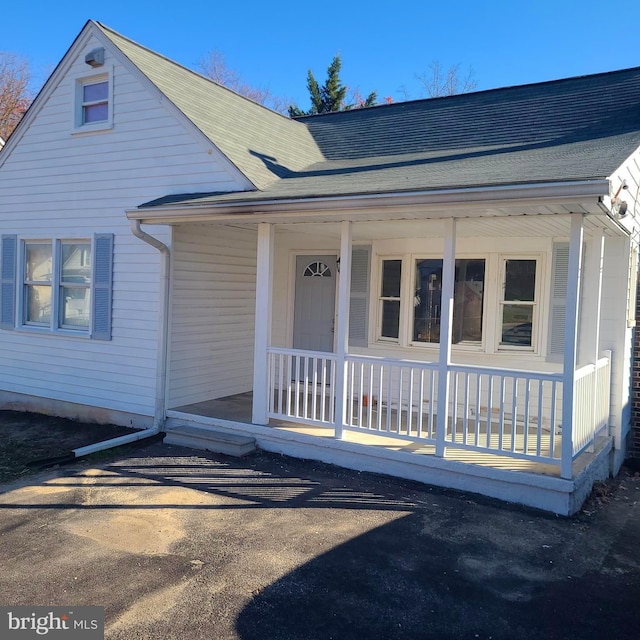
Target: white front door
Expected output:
[315,301]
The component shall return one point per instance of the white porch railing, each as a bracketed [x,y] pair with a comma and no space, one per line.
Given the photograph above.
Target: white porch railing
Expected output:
[591,404]
[510,413]
[513,413]
[392,397]
[301,385]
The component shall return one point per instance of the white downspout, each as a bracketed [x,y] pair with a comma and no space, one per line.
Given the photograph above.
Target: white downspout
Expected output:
[158,418]
[163,321]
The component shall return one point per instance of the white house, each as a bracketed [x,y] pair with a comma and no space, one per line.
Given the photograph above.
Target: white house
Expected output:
[441,289]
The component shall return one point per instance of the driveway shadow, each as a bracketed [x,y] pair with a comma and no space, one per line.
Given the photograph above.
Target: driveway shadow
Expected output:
[370,557]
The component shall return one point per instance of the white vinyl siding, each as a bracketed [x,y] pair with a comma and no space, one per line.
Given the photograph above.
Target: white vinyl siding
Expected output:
[59,185]
[213,313]
[614,333]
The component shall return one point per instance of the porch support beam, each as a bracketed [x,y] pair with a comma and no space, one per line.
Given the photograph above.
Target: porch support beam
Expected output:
[262,340]
[342,326]
[446,333]
[571,342]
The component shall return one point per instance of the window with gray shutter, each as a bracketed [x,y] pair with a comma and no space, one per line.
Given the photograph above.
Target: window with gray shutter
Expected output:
[8,282]
[359,301]
[102,286]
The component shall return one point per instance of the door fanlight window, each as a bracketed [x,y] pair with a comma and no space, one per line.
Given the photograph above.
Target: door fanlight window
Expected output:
[317,270]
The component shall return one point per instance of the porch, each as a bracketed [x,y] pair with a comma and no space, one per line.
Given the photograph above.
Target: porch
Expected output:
[523,416]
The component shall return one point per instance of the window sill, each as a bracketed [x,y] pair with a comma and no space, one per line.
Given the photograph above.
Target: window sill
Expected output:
[98,127]
[46,331]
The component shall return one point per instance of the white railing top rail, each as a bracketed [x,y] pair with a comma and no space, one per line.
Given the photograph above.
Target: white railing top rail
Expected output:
[327,355]
[515,373]
[588,369]
[393,362]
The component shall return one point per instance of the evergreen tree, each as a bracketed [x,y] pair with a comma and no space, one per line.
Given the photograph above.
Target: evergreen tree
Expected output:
[332,95]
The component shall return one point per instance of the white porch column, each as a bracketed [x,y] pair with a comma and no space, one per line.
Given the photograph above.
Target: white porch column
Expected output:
[571,342]
[590,317]
[342,326]
[446,332]
[262,340]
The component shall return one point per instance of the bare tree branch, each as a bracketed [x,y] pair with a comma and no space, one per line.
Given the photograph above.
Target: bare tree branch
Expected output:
[446,82]
[15,96]
[215,67]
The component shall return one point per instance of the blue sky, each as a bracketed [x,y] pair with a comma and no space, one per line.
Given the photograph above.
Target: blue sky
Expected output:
[382,44]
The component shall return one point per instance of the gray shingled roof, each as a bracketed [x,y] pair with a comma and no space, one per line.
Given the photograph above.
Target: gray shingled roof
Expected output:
[249,135]
[574,129]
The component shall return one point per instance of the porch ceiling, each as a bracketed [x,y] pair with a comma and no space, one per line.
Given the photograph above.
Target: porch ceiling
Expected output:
[508,227]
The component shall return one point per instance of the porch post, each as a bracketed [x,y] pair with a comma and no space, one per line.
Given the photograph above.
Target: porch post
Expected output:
[342,326]
[446,332]
[571,342]
[262,338]
[590,318]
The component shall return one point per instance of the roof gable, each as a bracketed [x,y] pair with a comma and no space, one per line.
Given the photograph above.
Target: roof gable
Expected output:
[262,144]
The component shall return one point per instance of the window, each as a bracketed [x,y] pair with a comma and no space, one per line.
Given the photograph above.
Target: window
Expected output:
[57,285]
[389,302]
[317,270]
[467,300]
[38,279]
[93,109]
[75,285]
[518,304]
[95,102]
[57,295]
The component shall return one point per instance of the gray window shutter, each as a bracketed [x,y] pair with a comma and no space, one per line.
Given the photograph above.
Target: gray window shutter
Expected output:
[560,271]
[8,282]
[102,286]
[359,301]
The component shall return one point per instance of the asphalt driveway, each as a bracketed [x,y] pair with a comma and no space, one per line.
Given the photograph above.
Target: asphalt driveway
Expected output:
[179,544]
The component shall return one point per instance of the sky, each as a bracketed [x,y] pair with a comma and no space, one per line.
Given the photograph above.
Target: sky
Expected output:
[383,45]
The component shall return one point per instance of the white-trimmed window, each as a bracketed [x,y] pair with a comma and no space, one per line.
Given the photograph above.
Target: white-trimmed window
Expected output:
[57,285]
[518,315]
[389,300]
[94,103]
[468,300]
[409,302]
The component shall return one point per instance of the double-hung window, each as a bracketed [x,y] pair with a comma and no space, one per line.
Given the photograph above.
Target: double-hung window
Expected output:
[93,109]
[57,285]
[389,300]
[95,102]
[518,306]
[38,283]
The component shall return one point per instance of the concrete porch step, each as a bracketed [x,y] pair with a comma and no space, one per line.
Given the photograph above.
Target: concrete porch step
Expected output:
[207,439]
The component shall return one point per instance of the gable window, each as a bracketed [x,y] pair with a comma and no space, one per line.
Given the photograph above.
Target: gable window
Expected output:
[66,285]
[95,102]
[518,311]
[93,110]
[467,300]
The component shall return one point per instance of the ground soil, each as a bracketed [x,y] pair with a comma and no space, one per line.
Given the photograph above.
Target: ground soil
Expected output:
[26,438]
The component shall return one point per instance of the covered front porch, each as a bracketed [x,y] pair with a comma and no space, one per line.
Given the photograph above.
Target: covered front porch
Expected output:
[526,401]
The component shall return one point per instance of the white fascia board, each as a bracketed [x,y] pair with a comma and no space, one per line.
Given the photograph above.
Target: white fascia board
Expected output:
[464,200]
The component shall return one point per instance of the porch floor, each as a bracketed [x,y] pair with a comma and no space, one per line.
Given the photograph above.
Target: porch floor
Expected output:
[238,408]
